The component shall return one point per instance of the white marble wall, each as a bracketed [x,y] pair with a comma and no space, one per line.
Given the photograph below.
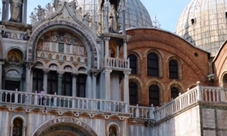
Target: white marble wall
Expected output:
[4,124]
[185,124]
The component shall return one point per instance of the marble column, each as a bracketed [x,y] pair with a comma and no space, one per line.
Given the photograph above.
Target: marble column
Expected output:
[45,75]
[74,87]
[126,86]
[5,10]
[28,77]
[106,16]
[60,74]
[24,12]
[88,86]
[106,39]
[94,90]
[1,63]
[107,84]
[125,49]
[123,18]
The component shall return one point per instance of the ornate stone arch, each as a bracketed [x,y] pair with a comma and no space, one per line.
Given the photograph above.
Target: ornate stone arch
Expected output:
[83,35]
[18,52]
[112,124]
[160,56]
[12,124]
[69,125]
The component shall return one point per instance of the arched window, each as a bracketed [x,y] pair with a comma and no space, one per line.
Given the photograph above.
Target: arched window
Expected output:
[174,92]
[81,85]
[52,79]
[17,127]
[173,69]
[37,79]
[133,93]
[154,95]
[67,84]
[133,64]
[112,131]
[152,65]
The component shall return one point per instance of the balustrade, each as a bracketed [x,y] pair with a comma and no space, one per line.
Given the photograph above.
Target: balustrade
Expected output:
[192,96]
[116,63]
[57,101]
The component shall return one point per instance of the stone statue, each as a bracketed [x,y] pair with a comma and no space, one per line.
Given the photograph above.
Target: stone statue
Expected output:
[56,4]
[49,9]
[15,9]
[113,19]
[74,5]
[87,19]
[33,18]
[40,12]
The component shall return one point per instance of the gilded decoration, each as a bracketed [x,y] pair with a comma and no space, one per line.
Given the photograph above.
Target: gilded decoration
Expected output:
[112,49]
[14,56]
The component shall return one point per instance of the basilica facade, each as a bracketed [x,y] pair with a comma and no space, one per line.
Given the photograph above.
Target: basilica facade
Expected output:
[100,68]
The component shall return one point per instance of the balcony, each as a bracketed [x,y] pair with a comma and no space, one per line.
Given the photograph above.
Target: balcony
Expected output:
[116,63]
[14,99]
[78,105]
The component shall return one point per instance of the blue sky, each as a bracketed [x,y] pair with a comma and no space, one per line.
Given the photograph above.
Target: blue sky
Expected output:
[167,11]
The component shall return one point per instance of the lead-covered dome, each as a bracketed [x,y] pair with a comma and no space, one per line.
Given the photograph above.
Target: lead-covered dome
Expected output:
[136,14]
[203,23]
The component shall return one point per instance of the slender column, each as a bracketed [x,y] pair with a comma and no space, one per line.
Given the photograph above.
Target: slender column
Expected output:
[106,16]
[74,85]
[3,9]
[126,88]
[88,86]
[1,63]
[45,74]
[60,74]
[106,46]
[125,49]
[118,52]
[7,10]
[107,84]
[28,77]
[123,18]
[24,12]
[74,89]
[94,90]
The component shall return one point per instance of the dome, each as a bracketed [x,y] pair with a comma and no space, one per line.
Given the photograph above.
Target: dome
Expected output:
[136,14]
[203,23]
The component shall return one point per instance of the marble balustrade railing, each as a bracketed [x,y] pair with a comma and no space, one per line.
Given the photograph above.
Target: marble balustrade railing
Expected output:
[58,101]
[198,93]
[141,112]
[116,62]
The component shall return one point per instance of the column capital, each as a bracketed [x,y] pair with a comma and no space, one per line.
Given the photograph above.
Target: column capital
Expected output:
[46,71]
[60,73]
[106,38]
[28,64]
[74,74]
[107,71]
[127,72]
